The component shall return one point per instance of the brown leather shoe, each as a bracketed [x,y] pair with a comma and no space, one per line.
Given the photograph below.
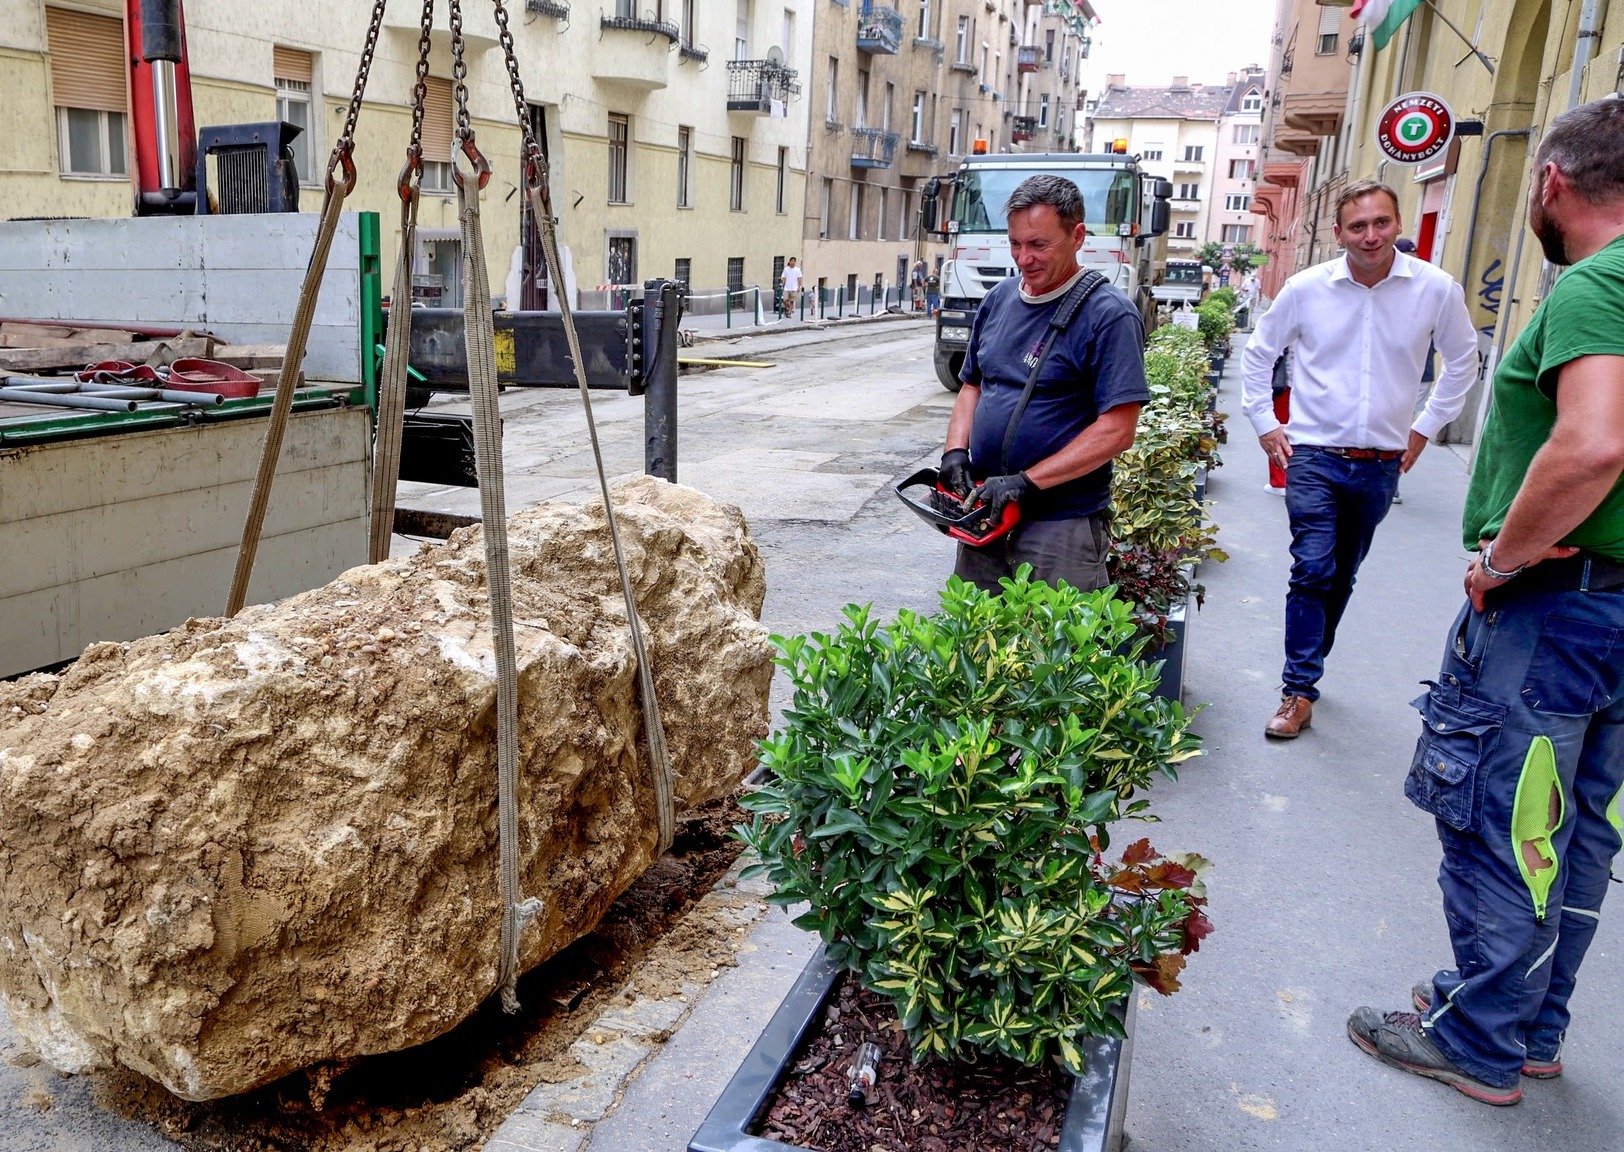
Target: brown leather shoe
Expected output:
[1292,717]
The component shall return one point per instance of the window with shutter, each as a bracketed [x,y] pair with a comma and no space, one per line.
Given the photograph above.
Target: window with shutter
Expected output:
[1330,24]
[88,70]
[293,71]
[437,136]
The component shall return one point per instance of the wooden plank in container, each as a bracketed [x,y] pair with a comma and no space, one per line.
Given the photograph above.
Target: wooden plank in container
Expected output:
[251,356]
[26,360]
[21,334]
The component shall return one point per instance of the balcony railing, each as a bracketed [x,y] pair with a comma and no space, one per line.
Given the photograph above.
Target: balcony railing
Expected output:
[759,85]
[879,30]
[1029,58]
[1022,128]
[923,146]
[554,8]
[666,28]
[966,66]
[1188,165]
[873,147]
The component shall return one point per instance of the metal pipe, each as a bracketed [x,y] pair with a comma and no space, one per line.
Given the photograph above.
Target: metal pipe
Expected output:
[59,400]
[166,114]
[660,385]
[161,48]
[1477,197]
[170,395]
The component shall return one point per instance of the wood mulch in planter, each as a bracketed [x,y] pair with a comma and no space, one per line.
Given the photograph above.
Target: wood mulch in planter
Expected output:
[994,1104]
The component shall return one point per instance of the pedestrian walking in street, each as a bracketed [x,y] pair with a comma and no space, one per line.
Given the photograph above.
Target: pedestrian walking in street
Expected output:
[1044,409]
[1521,758]
[933,293]
[791,280]
[1358,327]
[916,279]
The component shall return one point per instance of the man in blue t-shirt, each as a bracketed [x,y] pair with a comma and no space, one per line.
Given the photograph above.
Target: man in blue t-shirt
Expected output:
[1083,411]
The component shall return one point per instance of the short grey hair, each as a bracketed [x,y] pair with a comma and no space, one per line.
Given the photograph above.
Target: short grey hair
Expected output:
[1055,191]
[1587,146]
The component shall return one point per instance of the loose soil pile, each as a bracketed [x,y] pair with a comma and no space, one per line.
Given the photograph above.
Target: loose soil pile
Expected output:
[450,1094]
[995,1105]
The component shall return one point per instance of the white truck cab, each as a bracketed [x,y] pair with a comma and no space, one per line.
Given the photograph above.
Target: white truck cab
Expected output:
[1125,213]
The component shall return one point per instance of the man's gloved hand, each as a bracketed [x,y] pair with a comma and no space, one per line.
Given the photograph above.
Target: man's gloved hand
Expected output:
[999,492]
[954,474]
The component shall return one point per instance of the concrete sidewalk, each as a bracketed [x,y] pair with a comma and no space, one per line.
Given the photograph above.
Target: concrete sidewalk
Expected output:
[1323,896]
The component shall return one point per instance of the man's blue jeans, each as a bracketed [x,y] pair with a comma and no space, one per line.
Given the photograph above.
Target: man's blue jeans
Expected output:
[1334,505]
[1521,760]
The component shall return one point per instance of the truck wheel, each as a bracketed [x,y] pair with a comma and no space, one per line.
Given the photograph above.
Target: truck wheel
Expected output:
[947,369]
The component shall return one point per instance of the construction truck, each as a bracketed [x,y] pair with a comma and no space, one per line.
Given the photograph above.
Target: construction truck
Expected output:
[1182,282]
[1126,213]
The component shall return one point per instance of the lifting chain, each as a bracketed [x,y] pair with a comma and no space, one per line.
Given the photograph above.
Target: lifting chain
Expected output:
[304,315]
[344,148]
[386,449]
[536,186]
[420,95]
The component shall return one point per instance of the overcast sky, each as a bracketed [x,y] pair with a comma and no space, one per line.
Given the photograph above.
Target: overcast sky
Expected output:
[1154,40]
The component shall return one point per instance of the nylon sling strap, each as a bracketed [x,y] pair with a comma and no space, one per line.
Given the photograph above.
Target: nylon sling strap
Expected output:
[535,178]
[479,332]
[303,315]
[1061,320]
[398,338]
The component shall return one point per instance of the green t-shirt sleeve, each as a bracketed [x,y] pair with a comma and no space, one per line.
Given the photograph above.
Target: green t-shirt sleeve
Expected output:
[1583,317]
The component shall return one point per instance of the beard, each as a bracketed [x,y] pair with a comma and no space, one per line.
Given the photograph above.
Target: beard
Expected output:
[1551,239]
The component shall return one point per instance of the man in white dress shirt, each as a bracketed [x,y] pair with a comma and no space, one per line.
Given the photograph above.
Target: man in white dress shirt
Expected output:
[1358,327]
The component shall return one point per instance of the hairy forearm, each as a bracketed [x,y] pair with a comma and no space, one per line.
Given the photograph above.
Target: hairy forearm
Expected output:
[1089,449]
[964,414]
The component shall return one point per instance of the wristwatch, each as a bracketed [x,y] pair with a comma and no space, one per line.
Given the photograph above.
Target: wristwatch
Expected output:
[1486,559]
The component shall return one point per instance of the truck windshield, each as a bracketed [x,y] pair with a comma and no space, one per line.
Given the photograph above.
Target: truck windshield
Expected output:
[1179,273]
[1108,197]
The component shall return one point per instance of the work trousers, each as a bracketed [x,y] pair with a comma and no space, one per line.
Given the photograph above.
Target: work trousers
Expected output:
[1521,760]
[1334,505]
[1071,550]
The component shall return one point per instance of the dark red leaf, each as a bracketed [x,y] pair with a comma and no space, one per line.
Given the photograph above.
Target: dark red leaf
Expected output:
[1139,852]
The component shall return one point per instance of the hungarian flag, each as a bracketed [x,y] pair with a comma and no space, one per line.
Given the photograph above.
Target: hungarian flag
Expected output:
[1384,16]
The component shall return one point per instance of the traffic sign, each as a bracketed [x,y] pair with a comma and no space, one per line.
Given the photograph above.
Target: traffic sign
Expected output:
[1415,127]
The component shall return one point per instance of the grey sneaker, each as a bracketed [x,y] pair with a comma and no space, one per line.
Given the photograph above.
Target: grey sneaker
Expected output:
[1396,1038]
[1534,1069]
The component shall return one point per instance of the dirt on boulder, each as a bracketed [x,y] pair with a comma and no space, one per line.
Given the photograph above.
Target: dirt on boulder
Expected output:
[451,1094]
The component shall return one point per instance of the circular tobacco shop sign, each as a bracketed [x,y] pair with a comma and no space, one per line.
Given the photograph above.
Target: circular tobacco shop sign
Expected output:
[1415,127]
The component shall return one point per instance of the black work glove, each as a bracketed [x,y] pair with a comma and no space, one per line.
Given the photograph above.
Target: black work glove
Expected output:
[999,492]
[954,474]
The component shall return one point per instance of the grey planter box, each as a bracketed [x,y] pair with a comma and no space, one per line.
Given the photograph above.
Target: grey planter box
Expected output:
[1173,654]
[1094,1113]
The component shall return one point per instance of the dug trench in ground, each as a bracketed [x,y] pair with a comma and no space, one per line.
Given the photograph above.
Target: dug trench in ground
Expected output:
[448,1095]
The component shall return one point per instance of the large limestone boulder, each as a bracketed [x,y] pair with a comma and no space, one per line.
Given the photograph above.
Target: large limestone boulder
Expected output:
[250,845]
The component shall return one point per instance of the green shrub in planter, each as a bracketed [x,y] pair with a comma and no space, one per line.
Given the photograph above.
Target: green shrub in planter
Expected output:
[941,793]
[1225,296]
[1216,322]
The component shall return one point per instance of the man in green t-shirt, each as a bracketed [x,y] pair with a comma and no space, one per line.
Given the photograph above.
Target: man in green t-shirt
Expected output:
[1521,758]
